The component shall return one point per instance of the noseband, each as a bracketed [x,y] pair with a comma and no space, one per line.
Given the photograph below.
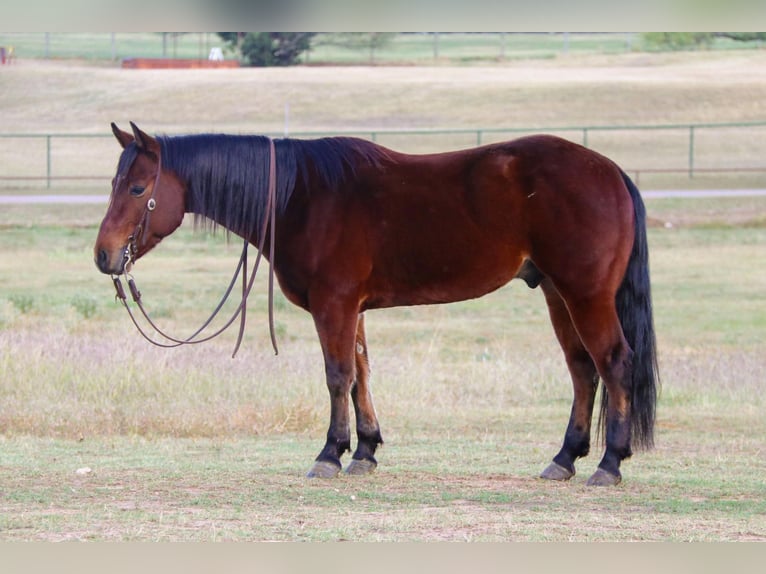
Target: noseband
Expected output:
[140,234]
[131,249]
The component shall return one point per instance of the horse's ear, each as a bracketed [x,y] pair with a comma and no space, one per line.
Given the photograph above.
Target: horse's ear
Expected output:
[123,137]
[144,141]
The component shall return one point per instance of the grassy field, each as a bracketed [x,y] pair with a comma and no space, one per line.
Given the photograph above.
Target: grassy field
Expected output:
[473,398]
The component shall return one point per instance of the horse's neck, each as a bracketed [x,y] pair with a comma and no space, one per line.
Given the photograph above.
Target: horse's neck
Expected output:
[229,207]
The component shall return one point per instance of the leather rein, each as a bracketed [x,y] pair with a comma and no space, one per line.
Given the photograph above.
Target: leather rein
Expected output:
[140,233]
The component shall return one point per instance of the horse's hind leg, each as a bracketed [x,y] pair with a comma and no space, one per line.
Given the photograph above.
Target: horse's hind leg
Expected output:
[598,325]
[584,380]
[367,428]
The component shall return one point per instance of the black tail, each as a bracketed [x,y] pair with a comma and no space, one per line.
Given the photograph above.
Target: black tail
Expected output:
[634,308]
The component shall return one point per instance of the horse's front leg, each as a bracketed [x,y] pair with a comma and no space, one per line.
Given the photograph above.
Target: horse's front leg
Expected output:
[336,326]
[367,427]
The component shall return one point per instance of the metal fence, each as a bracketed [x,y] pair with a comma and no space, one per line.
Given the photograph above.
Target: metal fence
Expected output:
[325,48]
[687,150]
[343,48]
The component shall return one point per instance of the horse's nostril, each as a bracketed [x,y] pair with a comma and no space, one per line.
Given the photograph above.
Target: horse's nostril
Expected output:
[102,260]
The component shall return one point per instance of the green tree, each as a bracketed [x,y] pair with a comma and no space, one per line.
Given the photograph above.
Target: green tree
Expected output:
[678,40]
[743,36]
[269,48]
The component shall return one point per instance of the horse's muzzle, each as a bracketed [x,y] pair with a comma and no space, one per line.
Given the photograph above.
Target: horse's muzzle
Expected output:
[110,264]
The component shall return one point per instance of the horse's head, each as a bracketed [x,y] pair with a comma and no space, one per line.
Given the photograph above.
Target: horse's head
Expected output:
[146,205]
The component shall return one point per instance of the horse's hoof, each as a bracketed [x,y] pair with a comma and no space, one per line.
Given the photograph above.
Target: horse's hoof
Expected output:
[603,478]
[324,469]
[359,467]
[556,472]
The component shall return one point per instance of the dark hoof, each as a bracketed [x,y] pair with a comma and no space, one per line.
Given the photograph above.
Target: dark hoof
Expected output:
[324,469]
[556,472]
[603,478]
[359,467]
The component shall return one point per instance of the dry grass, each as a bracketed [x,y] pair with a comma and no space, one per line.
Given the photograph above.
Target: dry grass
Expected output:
[213,490]
[115,384]
[192,445]
[630,89]
[71,363]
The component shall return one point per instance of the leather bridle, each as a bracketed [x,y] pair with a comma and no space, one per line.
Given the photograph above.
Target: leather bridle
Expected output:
[140,234]
[141,230]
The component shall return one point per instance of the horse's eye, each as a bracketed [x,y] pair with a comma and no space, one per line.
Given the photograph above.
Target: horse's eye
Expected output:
[137,190]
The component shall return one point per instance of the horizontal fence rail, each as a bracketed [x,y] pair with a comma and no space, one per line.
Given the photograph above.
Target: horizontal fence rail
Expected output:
[326,48]
[356,49]
[728,148]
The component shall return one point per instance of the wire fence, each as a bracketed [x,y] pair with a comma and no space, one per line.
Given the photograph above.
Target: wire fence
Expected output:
[668,154]
[325,48]
[340,48]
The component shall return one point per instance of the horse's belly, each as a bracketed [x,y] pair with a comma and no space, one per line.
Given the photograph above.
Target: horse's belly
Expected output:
[443,276]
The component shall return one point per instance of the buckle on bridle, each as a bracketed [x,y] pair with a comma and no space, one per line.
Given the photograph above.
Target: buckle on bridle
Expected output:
[128,254]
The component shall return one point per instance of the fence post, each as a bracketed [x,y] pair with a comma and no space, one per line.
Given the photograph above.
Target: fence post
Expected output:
[502,45]
[478,137]
[585,137]
[691,152]
[48,160]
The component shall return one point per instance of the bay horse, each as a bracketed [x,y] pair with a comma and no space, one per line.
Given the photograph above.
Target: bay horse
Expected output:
[357,226]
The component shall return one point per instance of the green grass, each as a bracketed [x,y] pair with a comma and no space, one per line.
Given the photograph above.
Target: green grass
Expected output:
[470,48]
[473,398]
[100,47]
[251,489]
[403,48]
[453,48]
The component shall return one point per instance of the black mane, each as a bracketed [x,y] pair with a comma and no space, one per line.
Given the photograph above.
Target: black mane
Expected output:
[227,176]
